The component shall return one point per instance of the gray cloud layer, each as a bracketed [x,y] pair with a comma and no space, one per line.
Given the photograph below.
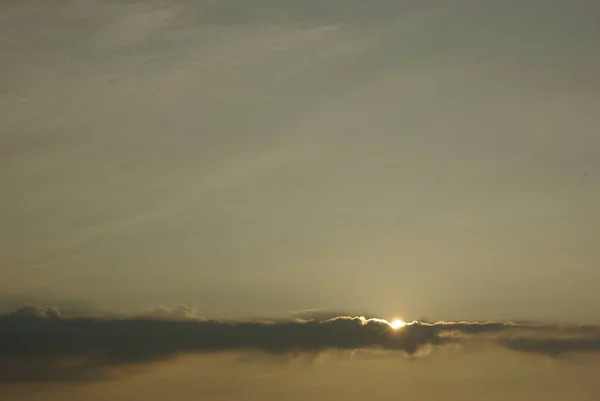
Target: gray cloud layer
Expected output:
[38,344]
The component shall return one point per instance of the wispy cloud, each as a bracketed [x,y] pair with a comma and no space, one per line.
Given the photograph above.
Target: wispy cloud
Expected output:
[41,344]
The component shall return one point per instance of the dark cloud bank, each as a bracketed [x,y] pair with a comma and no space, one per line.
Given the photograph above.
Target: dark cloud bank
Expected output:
[39,344]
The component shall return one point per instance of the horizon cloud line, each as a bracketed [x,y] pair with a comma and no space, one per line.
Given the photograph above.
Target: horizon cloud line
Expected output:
[40,344]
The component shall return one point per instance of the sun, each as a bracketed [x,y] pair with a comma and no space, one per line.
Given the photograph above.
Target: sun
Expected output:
[397,323]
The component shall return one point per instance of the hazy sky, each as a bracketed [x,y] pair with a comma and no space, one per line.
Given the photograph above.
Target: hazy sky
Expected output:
[431,159]
[420,159]
[511,377]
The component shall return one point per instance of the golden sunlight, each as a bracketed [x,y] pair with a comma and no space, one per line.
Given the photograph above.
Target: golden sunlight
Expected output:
[397,323]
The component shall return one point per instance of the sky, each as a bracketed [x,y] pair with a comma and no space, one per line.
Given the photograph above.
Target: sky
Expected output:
[432,160]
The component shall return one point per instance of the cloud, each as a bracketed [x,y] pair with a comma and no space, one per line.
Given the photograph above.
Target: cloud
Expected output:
[553,346]
[37,312]
[39,344]
[181,312]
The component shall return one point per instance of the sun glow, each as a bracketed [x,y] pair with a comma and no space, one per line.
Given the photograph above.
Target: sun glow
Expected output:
[397,323]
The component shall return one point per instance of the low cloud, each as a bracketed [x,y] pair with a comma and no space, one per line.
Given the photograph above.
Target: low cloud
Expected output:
[181,312]
[37,312]
[40,344]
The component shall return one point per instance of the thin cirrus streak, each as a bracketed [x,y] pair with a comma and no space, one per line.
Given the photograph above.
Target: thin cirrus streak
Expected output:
[39,344]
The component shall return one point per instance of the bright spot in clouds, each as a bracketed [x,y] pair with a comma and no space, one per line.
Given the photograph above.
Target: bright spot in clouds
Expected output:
[396,324]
